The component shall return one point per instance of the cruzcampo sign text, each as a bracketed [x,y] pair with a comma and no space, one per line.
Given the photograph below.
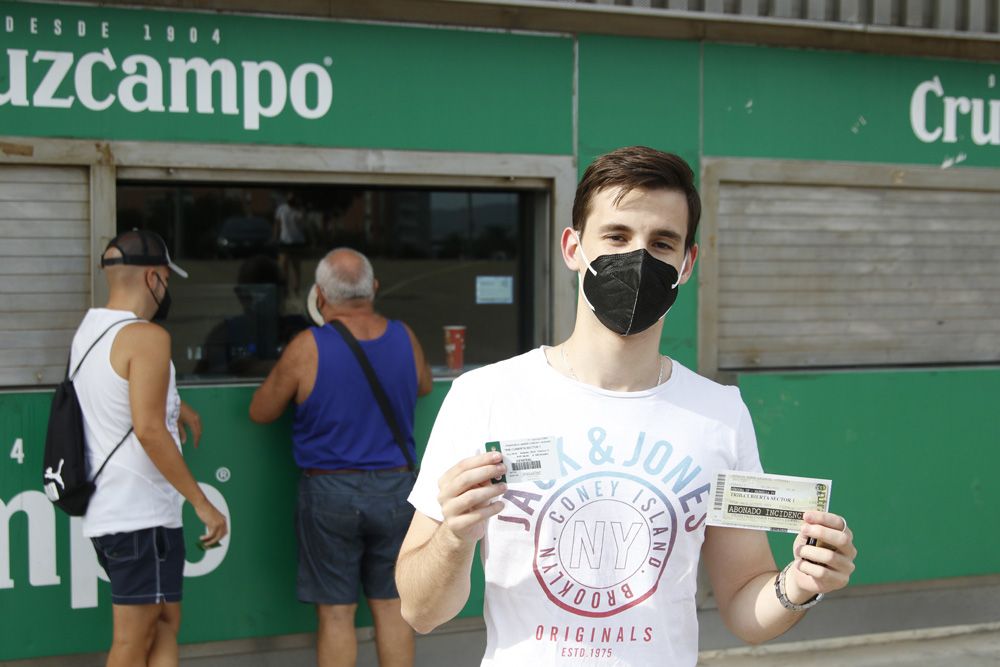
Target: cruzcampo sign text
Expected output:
[96,72]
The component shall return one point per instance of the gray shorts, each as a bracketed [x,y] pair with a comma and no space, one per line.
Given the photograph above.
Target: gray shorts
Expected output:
[350,528]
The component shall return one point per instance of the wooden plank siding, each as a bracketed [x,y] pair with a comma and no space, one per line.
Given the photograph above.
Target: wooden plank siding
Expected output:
[813,275]
[953,16]
[44,269]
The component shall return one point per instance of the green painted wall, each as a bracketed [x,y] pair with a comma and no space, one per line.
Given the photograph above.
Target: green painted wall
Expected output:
[821,105]
[912,456]
[252,591]
[644,91]
[392,86]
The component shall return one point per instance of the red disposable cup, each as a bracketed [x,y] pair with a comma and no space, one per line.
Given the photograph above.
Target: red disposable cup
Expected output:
[454,346]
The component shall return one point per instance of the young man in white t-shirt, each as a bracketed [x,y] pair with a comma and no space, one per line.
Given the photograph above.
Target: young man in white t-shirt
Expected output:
[599,567]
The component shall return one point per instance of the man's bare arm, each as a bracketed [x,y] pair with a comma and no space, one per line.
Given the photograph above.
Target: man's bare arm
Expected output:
[144,350]
[742,571]
[435,562]
[433,574]
[282,384]
[425,381]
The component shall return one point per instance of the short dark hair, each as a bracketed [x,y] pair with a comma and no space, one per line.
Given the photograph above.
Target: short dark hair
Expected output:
[639,167]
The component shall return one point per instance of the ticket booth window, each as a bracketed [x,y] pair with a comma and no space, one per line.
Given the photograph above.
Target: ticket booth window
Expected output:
[442,257]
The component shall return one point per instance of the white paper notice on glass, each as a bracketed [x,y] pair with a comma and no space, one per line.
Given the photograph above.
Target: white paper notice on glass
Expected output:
[494,289]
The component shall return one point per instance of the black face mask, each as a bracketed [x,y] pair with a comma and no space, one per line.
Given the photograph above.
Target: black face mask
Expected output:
[162,305]
[629,292]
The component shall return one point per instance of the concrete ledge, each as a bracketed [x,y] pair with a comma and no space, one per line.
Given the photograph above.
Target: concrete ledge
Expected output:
[964,645]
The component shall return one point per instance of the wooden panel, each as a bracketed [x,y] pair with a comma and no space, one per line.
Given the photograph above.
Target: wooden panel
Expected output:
[861,223]
[977,16]
[835,358]
[850,11]
[39,338]
[818,10]
[886,207]
[44,284]
[44,269]
[44,229]
[941,256]
[11,357]
[822,238]
[862,328]
[786,9]
[25,377]
[18,303]
[31,266]
[813,275]
[889,342]
[41,319]
[882,13]
[25,174]
[946,14]
[834,269]
[49,248]
[43,192]
[940,284]
[888,313]
[848,298]
[44,210]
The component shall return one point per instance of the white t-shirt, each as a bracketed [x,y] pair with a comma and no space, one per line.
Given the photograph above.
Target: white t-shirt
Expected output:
[290,224]
[598,567]
[131,493]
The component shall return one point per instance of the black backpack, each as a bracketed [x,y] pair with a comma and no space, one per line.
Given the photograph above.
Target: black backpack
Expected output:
[64,464]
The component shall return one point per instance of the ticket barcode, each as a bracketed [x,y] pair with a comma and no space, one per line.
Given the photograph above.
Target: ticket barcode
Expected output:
[720,486]
[527,460]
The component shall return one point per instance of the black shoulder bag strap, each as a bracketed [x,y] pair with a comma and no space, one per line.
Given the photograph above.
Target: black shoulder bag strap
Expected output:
[77,370]
[380,396]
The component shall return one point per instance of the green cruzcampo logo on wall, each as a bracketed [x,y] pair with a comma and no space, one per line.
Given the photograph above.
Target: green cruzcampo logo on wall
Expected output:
[937,117]
[113,73]
[84,570]
[249,89]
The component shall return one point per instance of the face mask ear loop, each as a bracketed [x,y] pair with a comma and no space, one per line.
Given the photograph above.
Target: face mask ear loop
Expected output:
[681,272]
[586,261]
[583,293]
[153,294]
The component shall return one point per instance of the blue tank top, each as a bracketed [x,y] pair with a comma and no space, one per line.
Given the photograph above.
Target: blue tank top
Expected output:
[340,424]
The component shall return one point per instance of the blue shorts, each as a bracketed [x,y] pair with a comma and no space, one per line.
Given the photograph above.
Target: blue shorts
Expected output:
[350,528]
[145,566]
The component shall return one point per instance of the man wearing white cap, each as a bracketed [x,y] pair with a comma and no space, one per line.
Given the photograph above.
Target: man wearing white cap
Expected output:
[135,421]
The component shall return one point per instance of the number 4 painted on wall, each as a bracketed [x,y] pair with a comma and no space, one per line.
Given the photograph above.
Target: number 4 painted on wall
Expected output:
[17,451]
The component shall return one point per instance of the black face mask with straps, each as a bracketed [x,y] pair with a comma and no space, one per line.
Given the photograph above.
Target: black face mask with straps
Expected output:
[630,292]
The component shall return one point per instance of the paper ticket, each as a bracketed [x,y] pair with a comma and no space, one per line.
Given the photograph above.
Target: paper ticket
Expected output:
[527,460]
[765,502]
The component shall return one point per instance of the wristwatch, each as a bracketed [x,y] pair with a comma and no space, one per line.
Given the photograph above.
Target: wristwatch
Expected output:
[779,590]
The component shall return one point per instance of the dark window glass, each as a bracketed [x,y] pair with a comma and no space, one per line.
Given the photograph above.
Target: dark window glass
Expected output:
[442,257]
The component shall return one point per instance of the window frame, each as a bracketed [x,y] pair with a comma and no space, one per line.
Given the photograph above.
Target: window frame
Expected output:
[553,177]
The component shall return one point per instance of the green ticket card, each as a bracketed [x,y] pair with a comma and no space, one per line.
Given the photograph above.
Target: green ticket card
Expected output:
[527,459]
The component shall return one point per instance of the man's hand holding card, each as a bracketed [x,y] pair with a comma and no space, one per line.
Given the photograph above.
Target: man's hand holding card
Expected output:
[824,548]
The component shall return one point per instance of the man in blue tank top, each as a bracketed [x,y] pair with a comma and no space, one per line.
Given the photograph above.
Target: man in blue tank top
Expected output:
[352,509]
